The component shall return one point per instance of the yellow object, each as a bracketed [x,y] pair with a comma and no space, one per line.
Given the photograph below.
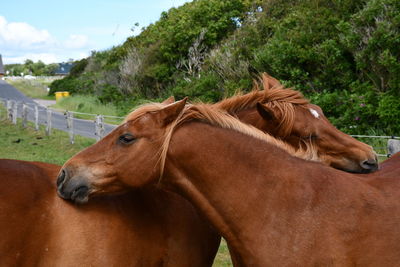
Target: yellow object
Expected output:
[60,95]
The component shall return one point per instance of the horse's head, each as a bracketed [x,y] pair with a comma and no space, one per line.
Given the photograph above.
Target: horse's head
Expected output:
[286,114]
[310,126]
[127,157]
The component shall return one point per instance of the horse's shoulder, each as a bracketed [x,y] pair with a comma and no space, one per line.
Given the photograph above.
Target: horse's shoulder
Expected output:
[26,181]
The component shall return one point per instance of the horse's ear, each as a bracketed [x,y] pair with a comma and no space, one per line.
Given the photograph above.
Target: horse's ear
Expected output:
[269,81]
[266,112]
[169,100]
[171,112]
[274,83]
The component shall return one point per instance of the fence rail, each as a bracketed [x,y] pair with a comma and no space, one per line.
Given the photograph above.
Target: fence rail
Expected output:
[31,112]
[386,146]
[12,109]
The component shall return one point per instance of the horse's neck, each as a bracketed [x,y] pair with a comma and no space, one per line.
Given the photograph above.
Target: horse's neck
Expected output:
[232,178]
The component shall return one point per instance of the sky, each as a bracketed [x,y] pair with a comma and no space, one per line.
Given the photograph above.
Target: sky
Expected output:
[56,31]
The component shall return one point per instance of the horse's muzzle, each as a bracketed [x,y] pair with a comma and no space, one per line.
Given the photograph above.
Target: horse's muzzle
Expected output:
[72,188]
[369,165]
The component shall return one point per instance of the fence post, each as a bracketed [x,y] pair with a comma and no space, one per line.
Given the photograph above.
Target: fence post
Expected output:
[15,112]
[393,147]
[70,126]
[24,115]
[48,126]
[99,126]
[36,118]
[9,110]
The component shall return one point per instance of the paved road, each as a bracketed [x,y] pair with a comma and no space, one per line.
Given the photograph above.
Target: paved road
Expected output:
[81,127]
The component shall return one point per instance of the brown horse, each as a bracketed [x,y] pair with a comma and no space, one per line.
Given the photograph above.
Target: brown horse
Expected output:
[286,114]
[149,227]
[273,209]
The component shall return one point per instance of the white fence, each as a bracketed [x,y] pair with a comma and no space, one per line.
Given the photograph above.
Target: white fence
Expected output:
[31,112]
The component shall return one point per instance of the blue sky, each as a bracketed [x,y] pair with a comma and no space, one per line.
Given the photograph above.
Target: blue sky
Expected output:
[55,31]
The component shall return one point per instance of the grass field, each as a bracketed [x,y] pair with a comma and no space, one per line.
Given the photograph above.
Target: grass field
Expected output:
[87,104]
[27,144]
[32,88]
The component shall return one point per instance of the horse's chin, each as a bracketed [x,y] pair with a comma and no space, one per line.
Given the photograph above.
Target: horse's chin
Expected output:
[80,199]
[78,195]
[357,171]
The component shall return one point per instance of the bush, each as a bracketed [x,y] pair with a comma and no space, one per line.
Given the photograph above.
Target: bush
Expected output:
[352,111]
[361,109]
[373,37]
[109,93]
[205,88]
[72,85]
[389,112]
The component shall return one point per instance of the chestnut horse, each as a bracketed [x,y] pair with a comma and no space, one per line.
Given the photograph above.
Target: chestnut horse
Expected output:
[286,114]
[272,208]
[149,227]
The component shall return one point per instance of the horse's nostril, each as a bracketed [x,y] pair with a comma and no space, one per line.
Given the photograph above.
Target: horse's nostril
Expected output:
[61,177]
[370,164]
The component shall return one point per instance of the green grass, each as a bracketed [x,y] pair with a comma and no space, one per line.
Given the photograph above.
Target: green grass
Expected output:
[379,144]
[33,88]
[21,143]
[87,104]
[223,258]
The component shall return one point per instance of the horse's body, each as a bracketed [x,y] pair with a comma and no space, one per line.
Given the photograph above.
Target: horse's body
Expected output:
[390,165]
[149,227]
[273,209]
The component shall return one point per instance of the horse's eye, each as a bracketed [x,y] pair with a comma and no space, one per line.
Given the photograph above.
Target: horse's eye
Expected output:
[126,139]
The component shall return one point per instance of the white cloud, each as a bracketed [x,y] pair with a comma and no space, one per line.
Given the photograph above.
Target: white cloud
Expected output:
[76,41]
[22,35]
[20,41]
[44,57]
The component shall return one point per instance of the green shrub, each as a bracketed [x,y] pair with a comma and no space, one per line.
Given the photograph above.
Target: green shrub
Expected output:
[79,67]
[110,93]
[373,37]
[352,111]
[205,88]
[72,85]
[389,112]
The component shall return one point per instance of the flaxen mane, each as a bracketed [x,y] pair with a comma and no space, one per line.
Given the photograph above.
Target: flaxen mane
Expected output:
[274,95]
[209,114]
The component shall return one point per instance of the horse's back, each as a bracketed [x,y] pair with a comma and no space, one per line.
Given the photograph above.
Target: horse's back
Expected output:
[391,165]
[148,227]
[23,182]
[25,195]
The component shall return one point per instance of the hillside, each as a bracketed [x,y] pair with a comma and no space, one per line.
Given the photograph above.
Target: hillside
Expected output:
[343,54]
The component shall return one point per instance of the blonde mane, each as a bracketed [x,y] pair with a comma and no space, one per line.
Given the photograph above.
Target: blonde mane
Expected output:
[274,95]
[210,114]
